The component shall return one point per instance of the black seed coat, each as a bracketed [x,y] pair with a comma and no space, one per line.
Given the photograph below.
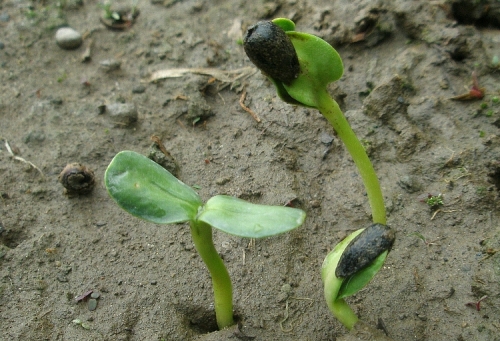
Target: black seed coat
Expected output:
[77,179]
[270,49]
[364,249]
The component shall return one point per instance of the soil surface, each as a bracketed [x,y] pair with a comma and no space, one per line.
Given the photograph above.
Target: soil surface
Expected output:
[404,61]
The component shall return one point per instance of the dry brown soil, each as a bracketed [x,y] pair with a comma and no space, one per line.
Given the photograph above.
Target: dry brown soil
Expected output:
[404,61]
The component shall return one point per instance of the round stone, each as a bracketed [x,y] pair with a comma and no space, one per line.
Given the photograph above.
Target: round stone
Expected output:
[68,38]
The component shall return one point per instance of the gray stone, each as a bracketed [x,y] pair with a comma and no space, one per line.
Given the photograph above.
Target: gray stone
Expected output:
[326,138]
[68,38]
[138,89]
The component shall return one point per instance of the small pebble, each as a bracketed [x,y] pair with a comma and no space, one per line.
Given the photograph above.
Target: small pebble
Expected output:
[286,288]
[153,282]
[222,180]
[138,89]
[422,317]
[62,278]
[95,295]
[326,138]
[92,305]
[2,45]
[315,203]
[408,183]
[68,38]
[110,65]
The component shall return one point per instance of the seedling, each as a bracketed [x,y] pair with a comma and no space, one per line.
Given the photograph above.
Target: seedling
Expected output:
[301,66]
[118,17]
[475,92]
[477,304]
[423,239]
[148,191]
[80,323]
[434,201]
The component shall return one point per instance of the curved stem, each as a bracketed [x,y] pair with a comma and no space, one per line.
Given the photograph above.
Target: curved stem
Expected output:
[332,284]
[339,308]
[221,282]
[330,109]
[343,313]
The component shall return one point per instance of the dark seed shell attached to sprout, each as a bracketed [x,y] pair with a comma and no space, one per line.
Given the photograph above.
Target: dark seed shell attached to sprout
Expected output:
[77,179]
[270,49]
[364,249]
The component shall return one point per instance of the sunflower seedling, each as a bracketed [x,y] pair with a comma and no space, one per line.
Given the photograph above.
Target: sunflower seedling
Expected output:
[148,191]
[301,66]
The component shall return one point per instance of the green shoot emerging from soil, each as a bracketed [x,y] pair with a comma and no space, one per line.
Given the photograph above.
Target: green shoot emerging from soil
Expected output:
[301,66]
[434,200]
[148,191]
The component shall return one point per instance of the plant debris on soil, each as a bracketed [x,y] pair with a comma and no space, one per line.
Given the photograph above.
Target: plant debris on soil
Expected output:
[180,71]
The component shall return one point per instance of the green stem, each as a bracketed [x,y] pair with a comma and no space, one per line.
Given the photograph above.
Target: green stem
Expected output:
[332,284]
[343,313]
[339,308]
[330,109]
[221,282]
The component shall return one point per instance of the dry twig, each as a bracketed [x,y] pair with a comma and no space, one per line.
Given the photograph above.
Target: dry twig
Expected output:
[18,158]
[160,145]
[221,75]
[247,109]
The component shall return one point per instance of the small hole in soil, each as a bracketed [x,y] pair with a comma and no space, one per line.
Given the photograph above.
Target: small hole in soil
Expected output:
[198,319]
[494,173]
[12,238]
[478,13]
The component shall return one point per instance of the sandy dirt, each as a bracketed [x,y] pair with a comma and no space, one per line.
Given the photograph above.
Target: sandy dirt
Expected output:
[404,62]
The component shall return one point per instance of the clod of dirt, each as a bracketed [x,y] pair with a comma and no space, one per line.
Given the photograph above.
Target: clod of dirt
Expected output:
[383,102]
[494,173]
[3,250]
[164,160]
[68,38]
[373,27]
[363,332]
[409,183]
[110,65]
[198,110]
[119,17]
[77,179]
[123,114]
